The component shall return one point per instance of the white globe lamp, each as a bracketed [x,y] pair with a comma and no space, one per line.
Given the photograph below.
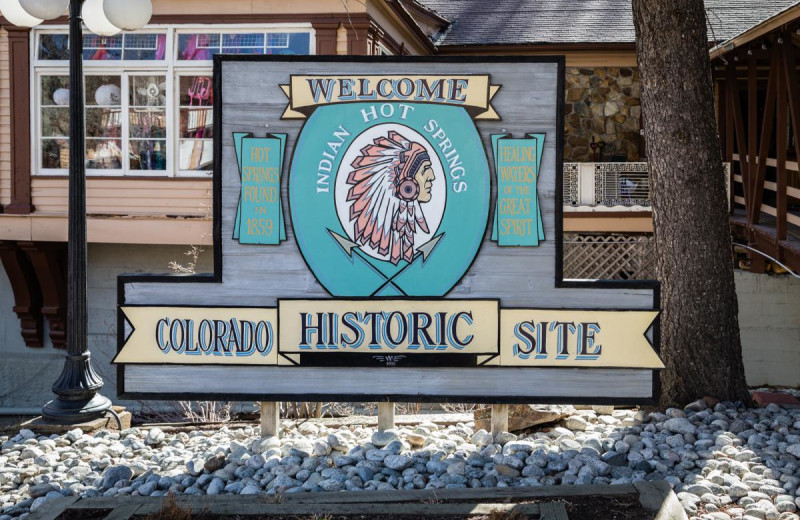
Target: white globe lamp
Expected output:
[94,16]
[45,9]
[128,15]
[14,12]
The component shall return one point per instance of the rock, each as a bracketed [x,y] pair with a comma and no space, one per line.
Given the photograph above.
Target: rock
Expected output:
[576,422]
[482,438]
[523,416]
[216,486]
[250,489]
[74,435]
[503,438]
[263,444]
[330,485]
[196,466]
[320,448]
[155,437]
[40,490]
[506,471]
[38,503]
[147,488]
[397,462]
[214,463]
[383,438]
[114,474]
[680,425]
[794,450]
[30,452]
[416,440]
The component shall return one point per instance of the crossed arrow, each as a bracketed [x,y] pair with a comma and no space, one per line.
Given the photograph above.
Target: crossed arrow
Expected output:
[352,248]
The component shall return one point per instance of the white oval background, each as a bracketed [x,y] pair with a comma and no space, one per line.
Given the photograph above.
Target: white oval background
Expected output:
[433,209]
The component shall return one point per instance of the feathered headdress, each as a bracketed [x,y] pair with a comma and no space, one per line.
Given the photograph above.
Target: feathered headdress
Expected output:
[385,211]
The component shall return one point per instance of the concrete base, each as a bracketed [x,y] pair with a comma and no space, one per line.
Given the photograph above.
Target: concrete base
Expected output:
[38,424]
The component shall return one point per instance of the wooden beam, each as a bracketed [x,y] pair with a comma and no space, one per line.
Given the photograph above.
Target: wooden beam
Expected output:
[27,297]
[49,261]
[270,419]
[19,84]
[735,109]
[385,416]
[499,419]
[760,165]
[752,135]
[781,143]
[790,72]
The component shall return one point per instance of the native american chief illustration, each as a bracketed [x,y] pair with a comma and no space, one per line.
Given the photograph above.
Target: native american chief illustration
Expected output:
[390,179]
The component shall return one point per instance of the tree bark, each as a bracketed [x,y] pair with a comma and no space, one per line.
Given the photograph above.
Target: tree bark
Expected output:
[700,343]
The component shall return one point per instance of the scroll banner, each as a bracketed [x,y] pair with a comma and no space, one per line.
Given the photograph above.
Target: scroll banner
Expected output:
[518,216]
[259,216]
[200,336]
[473,92]
[402,333]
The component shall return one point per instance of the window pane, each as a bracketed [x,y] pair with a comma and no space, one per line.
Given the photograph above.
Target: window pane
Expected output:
[245,43]
[196,91]
[197,46]
[145,46]
[104,154]
[55,90]
[55,121]
[53,47]
[103,122]
[102,47]
[148,122]
[148,91]
[148,155]
[103,91]
[196,154]
[196,123]
[55,153]
[299,43]
[278,40]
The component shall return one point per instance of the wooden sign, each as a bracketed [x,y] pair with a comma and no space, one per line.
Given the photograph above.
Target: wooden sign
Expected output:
[396,235]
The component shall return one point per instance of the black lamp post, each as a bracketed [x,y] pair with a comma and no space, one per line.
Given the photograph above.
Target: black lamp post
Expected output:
[78,385]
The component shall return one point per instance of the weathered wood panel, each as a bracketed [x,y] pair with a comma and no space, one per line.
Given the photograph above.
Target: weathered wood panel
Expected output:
[121,196]
[572,383]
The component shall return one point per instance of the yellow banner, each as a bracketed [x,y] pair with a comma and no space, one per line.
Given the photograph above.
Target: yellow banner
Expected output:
[416,332]
[577,338]
[473,92]
[200,336]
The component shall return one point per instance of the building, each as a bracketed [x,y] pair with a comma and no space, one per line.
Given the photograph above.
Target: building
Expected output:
[148,121]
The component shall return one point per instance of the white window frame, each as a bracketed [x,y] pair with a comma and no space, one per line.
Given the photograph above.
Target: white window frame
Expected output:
[171,67]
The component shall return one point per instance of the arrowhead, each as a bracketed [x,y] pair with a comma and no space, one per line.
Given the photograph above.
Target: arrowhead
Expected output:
[345,243]
[427,248]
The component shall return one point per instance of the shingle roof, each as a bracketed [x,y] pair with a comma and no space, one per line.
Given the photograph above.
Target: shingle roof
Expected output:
[510,22]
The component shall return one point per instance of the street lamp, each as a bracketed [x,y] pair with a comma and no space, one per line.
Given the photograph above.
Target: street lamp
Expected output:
[78,385]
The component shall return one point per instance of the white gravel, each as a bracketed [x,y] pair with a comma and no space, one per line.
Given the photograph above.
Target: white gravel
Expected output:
[725,463]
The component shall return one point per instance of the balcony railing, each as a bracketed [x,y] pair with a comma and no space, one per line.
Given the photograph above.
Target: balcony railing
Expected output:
[618,186]
[623,186]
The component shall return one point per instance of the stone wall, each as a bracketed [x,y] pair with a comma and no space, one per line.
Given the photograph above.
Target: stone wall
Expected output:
[602,103]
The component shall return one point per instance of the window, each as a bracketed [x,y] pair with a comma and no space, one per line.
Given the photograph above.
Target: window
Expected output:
[149,96]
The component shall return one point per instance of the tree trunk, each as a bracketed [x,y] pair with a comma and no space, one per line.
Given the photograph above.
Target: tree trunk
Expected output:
[700,342]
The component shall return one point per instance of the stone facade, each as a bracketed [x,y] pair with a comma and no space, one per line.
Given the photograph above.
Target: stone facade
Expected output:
[602,103]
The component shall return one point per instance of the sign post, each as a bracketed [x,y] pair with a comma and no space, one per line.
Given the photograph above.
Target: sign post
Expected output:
[396,236]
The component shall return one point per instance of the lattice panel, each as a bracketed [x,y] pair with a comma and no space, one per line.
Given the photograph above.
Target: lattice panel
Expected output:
[609,257]
[571,184]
